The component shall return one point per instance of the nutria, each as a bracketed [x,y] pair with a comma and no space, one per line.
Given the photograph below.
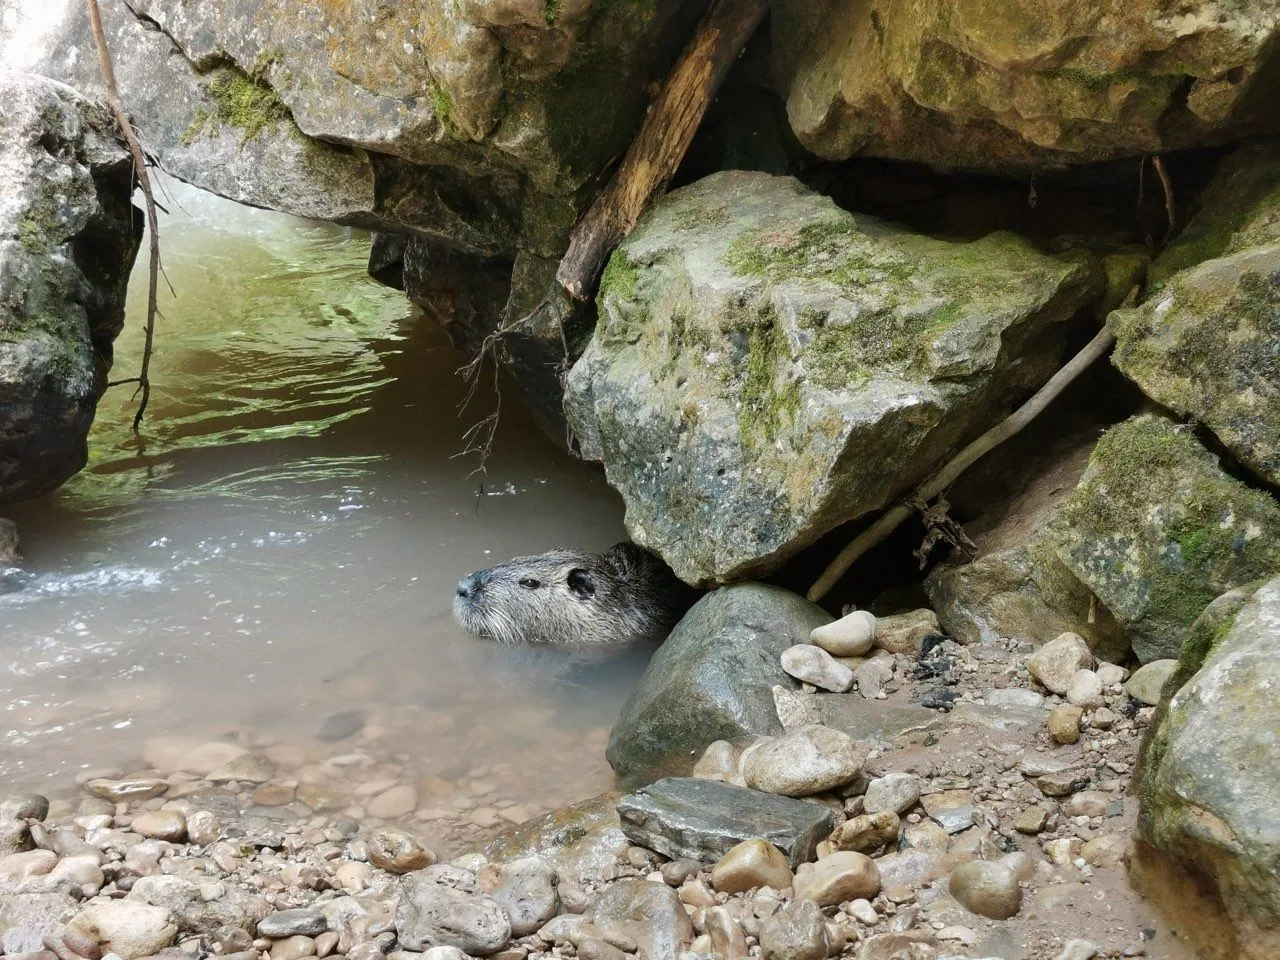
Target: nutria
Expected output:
[626,595]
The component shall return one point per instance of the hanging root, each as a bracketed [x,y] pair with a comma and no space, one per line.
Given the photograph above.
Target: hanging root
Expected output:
[143,379]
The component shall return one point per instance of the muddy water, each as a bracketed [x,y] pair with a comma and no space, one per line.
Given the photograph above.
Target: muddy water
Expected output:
[280,544]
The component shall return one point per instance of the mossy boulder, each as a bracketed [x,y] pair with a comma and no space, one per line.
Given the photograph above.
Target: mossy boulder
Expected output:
[68,236]
[1206,342]
[1015,84]
[1156,530]
[767,366]
[1211,776]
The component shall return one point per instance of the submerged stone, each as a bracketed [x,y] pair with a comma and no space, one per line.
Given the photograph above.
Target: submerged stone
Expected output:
[711,680]
[704,819]
[1157,530]
[767,366]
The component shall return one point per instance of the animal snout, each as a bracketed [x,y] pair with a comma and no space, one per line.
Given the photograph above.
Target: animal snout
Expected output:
[468,586]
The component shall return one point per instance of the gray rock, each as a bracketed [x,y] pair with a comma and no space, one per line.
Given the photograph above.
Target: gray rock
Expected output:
[868,832]
[751,864]
[710,680]
[340,726]
[129,928]
[525,889]
[859,718]
[1055,664]
[127,791]
[27,918]
[15,837]
[810,664]
[704,819]
[1014,697]
[768,310]
[841,876]
[292,923]
[647,914]
[1211,776]
[1157,531]
[68,236]
[581,841]
[894,792]
[397,852]
[955,819]
[987,888]
[1013,89]
[796,932]
[1148,680]
[8,542]
[25,806]
[803,762]
[160,825]
[1203,342]
[432,915]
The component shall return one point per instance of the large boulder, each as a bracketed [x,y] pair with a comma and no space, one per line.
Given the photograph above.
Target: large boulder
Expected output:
[1156,530]
[767,366]
[1211,782]
[711,680]
[1205,342]
[1012,84]
[68,236]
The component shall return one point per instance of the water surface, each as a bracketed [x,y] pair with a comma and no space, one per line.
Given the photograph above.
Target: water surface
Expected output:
[281,541]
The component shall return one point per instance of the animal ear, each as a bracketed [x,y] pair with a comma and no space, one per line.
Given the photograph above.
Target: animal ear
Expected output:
[625,557]
[581,583]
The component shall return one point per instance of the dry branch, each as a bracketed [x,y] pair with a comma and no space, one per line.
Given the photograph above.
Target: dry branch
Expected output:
[144,181]
[664,136]
[948,475]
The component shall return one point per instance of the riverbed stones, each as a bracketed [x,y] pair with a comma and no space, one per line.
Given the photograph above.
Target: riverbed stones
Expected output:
[1055,664]
[832,361]
[895,792]
[751,864]
[160,825]
[525,889]
[868,833]
[399,801]
[127,791]
[810,664]
[1149,679]
[989,889]
[129,928]
[904,633]
[1203,342]
[431,914]
[293,923]
[397,852]
[1085,690]
[711,680]
[796,932]
[24,806]
[1064,723]
[850,636]
[704,819]
[68,236]
[844,875]
[803,762]
[1157,530]
[647,914]
[581,841]
[1211,784]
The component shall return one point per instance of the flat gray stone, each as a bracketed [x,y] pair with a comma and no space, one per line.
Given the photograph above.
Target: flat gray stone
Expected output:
[702,819]
[865,719]
[955,819]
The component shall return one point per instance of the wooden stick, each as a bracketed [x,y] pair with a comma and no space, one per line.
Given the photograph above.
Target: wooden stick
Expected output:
[660,145]
[140,169]
[943,479]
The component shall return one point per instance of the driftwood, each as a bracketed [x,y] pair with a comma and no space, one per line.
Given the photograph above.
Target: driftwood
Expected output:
[660,145]
[940,481]
[144,182]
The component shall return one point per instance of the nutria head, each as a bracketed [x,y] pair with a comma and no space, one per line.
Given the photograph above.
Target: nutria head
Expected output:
[563,596]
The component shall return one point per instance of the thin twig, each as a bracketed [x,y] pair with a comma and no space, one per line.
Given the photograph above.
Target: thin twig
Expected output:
[1168,193]
[943,479]
[144,181]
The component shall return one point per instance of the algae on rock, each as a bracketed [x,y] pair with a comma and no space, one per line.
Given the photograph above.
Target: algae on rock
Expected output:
[767,366]
[1157,531]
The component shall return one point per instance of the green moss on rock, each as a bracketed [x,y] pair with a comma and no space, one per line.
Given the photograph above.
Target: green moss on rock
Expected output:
[237,100]
[1157,530]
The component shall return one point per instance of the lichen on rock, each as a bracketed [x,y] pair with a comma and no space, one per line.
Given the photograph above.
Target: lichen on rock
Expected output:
[1157,531]
[767,366]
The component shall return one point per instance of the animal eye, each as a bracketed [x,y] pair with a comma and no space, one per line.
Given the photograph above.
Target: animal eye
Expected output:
[530,583]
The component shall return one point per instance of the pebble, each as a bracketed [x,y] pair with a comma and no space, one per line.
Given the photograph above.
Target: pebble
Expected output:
[850,636]
[161,825]
[289,923]
[867,833]
[1061,784]
[796,932]
[812,664]
[862,911]
[725,933]
[1062,850]
[25,806]
[444,953]
[955,819]
[1147,681]
[274,795]
[1055,663]
[904,633]
[1078,950]
[1064,724]
[203,828]
[751,864]
[873,675]
[896,792]
[293,948]
[845,875]
[340,726]
[718,762]
[1014,697]
[805,761]
[399,801]
[525,889]
[249,767]
[1088,803]
[127,791]
[1110,674]
[989,889]
[129,928]
[1107,850]
[1032,820]
[1085,690]
[397,852]
[321,797]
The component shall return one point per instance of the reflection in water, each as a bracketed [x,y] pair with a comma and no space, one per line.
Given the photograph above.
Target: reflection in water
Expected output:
[281,542]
